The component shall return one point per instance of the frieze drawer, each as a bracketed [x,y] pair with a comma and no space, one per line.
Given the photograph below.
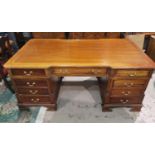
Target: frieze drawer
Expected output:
[80,71]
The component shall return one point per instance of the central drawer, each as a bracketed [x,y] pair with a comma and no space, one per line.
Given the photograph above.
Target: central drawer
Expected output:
[79,71]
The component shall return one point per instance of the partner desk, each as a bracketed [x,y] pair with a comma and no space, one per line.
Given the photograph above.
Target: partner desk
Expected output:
[37,68]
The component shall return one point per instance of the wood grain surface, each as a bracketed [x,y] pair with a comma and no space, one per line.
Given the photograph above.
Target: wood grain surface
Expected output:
[114,53]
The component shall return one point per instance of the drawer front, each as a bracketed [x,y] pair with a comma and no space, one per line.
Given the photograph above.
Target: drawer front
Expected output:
[140,83]
[125,100]
[34,99]
[132,73]
[28,72]
[33,91]
[30,83]
[80,71]
[126,92]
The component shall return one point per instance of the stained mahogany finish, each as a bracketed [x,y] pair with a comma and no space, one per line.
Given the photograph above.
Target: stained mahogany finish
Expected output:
[40,64]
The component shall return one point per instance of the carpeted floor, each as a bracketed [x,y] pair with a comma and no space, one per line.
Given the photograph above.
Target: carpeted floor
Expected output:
[79,101]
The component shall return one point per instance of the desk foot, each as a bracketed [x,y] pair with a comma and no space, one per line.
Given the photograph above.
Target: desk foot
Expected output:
[134,109]
[53,108]
[106,109]
[23,108]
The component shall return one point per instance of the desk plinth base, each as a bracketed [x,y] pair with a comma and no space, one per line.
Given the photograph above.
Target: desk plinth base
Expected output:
[49,107]
[108,108]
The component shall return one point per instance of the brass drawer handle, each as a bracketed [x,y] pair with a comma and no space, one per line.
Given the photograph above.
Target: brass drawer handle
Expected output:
[59,71]
[126,93]
[28,73]
[124,101]
[65,71]
[33,92]
[132,75]
[35,100]
[30,84]
[129,84]
[96,70]
[62,71]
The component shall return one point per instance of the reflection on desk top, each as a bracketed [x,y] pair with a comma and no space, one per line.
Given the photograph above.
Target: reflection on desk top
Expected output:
[114,53]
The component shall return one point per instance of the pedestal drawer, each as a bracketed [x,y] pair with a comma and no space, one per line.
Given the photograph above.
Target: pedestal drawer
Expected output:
[30,83]
[34,99]
[132,73]
[138,83]
[126,92]
[28,72]
[125,100]
[33,91]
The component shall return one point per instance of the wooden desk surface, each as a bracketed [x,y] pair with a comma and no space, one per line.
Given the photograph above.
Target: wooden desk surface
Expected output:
[114,53]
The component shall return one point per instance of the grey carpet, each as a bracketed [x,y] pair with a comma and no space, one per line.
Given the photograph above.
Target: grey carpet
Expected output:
[80,102]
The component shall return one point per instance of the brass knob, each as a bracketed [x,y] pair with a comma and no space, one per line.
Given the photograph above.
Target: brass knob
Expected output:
[30,84]
[65,71]
[28,73]
[124,101]
[62,71]
[126,93]
[35,100]
[95,70]
[33,91]
[59,70]
[129,84]
[132,75]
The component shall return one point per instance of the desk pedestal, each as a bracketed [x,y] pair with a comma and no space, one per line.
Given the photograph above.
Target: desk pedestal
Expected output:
[119,87]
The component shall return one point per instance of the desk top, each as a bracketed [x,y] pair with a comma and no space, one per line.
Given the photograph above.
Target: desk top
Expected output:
[114,53]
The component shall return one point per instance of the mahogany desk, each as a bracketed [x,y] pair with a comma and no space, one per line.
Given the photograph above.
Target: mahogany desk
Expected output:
[36,70]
